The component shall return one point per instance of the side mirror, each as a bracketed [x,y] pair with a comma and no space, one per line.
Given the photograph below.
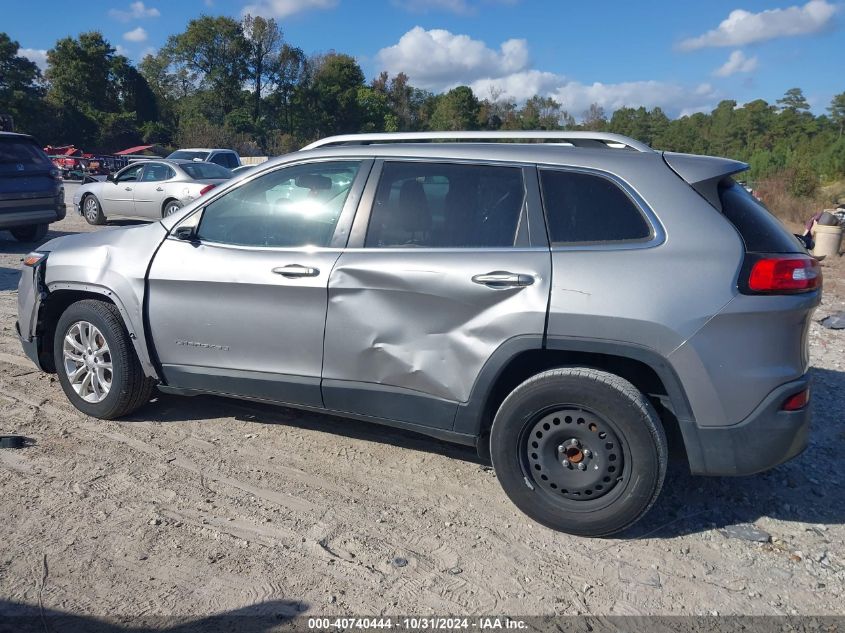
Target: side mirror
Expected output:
[111,178]
[187,233]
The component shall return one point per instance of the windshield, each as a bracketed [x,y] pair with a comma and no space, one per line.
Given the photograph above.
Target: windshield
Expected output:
[189,155]
[22,155]
[204,171]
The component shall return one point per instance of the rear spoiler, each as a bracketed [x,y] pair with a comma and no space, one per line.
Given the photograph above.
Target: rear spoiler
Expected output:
[704,173]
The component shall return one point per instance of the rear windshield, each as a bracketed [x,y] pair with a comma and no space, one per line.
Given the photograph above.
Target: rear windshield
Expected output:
[760,230]
[22,155]
[186,155]
[204,171]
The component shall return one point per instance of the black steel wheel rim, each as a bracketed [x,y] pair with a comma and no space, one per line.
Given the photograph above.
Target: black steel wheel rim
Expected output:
[574,455]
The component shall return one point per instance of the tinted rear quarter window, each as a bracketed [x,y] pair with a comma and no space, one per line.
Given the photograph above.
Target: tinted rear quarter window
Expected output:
[760,230]
[584,208]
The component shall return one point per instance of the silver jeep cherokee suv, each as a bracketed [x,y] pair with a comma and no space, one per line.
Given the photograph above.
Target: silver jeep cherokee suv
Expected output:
[563,306]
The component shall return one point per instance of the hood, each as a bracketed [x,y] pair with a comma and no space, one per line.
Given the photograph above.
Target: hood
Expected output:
[103,237]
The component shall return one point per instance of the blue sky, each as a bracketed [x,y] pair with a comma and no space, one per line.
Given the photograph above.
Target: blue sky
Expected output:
[682,56]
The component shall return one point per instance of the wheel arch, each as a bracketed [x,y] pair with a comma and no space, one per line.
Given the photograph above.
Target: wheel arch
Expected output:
[168,199]
[59,298]
[520,358]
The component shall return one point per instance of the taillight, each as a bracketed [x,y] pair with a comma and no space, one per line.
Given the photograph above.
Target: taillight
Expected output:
[784,274]
[796,402]
[206,189]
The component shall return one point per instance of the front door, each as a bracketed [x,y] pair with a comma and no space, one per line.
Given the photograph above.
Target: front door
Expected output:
[119,194]
[241,309]
[452,262]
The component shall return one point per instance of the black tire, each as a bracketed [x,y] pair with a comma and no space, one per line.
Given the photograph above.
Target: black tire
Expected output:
[92,210]
[130,388]
[31,233]
[170,207]
[618,438]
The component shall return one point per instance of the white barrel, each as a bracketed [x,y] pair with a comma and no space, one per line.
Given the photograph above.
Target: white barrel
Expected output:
[828,240]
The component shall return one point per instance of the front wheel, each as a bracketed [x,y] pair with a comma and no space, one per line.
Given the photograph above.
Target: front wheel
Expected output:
[96,363]
[579,450]
[92,210]
[31,233]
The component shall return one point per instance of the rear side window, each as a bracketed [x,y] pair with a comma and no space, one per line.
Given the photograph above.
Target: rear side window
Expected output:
[760,230]
[155,172]
[21,155]
[443,205]
[583,208]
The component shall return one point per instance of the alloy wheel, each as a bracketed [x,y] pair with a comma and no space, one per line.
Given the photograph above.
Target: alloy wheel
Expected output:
[87,361]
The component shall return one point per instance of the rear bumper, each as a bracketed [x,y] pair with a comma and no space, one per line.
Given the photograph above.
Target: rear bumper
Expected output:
[30,217]
[766,438]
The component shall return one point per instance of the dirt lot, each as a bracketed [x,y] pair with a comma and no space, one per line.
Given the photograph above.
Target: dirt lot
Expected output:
[205,506]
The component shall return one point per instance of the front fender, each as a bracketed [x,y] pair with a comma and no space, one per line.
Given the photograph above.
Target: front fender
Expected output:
[114,264]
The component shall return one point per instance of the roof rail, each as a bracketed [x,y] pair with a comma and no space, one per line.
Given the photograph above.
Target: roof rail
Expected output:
[577,139]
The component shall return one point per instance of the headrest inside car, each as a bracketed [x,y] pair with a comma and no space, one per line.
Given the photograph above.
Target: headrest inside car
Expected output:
[314,182]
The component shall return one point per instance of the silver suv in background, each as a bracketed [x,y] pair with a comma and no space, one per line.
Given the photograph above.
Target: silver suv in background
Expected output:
[32,194]
[227,158]
[564,307]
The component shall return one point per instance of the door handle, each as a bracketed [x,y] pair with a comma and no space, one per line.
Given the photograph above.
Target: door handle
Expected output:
[503,279]
[293,271]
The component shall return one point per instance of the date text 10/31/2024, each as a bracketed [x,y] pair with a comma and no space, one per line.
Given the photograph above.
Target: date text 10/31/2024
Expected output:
[417,624]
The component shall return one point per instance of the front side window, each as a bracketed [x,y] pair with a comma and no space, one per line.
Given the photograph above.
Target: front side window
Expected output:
[290,207]
[586,208]
[443,205]
[130,174]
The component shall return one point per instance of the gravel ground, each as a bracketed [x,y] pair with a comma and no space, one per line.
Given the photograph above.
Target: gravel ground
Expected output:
[199,506]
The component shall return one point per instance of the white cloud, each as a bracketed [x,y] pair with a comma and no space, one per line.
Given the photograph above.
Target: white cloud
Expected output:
[742,27]
[136,11]
[737,63]
[285,8]
[37,55]
[575,97]
[121,50]
[438,58]
[136,35]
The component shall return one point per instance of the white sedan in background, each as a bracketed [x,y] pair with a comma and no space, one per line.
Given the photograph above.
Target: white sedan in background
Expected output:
[149,189]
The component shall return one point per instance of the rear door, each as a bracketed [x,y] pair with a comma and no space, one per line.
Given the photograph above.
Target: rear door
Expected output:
[118,195]
[149,189]
[446,262]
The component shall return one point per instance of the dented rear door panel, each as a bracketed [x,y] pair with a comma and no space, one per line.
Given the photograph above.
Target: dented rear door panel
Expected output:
[408,331]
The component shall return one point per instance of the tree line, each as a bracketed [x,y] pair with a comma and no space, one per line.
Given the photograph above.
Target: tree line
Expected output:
[228,83]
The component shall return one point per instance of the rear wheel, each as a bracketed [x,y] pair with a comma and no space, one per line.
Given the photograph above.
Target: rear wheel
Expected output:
[579,450]
[92,210]
[96,363]
[170,207]
[31,233]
